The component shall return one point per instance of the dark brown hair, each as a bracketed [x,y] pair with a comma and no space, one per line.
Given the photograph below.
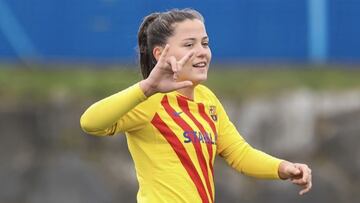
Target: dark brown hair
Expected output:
[155,29]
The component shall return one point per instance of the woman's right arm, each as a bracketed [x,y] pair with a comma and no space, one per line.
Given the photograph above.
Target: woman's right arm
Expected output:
[100,117]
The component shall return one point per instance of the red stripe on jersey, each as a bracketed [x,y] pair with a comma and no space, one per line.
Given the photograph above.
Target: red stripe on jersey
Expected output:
[184,105]
[178,120]
[207,118]
[180,151]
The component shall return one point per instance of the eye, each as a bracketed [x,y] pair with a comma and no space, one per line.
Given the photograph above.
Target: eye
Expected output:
[189,45]
[205,44]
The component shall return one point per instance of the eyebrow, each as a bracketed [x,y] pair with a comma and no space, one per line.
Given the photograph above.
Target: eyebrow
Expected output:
[194,39]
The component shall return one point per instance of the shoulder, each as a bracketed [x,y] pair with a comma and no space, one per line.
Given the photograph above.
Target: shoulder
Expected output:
[204,93]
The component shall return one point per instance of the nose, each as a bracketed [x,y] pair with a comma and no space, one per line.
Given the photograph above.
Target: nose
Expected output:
[201,51]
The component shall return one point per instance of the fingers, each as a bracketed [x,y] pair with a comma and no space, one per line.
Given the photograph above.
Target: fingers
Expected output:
[163,57]
[305,170]
[293,171]
[182,61]
[287,170]
[170,63]
[174,67]
[186,58]
[305,179]
[173,63]
[177,65]
[183,84]
[164,53]
[306,189]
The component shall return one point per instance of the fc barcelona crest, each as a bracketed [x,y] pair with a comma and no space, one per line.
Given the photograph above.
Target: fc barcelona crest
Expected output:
[213,113]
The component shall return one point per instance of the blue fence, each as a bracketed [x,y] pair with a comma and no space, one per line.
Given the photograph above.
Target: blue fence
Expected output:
[240,30]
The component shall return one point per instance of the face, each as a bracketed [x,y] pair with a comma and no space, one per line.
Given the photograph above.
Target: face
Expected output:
[190,35]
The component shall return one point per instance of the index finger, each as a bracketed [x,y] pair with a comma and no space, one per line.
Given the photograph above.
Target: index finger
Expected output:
[306,188]
[164,53]
[306,171]
[293,171]
[186,58]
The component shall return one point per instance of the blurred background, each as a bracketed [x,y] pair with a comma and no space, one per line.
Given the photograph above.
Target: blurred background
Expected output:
[287,72]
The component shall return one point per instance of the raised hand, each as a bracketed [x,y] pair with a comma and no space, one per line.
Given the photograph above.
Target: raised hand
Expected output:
[163,78]
[299,174]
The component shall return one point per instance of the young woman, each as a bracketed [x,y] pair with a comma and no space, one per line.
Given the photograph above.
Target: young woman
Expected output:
[174,125]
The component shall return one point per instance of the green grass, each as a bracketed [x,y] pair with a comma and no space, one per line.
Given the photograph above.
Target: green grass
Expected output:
[73,82]
[87,81]
[254,82]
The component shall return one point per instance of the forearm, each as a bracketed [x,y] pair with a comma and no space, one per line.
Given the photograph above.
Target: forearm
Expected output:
[253,162]
[104,113]
[261,165]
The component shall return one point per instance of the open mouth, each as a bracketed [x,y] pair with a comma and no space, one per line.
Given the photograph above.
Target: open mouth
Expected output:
[200,65]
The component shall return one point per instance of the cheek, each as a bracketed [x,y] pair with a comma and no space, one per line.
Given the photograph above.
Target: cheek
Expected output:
[209,54]
[177,52]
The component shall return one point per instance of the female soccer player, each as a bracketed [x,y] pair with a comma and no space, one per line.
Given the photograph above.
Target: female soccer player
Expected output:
[174,125]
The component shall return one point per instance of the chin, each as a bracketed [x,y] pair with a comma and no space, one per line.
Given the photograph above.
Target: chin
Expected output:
[199,80]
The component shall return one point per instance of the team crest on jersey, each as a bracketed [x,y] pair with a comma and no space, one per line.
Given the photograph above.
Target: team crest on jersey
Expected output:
[213,113]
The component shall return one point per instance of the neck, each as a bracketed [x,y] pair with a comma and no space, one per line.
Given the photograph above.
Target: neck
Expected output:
[187,92]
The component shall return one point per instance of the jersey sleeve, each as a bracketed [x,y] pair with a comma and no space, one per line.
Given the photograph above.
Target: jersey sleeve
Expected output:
[116,113]
[239,154]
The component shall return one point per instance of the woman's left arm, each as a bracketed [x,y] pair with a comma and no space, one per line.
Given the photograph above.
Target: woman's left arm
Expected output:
[252,162]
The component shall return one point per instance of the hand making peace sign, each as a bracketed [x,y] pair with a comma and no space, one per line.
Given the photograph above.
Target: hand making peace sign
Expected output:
[163,78]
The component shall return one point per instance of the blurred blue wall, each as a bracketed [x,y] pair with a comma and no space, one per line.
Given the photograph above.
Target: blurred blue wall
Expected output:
[240,30]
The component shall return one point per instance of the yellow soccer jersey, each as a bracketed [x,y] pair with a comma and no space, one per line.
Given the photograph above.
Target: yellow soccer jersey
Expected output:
[173,141]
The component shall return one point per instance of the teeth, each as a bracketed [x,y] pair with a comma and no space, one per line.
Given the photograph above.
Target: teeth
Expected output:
[201,64]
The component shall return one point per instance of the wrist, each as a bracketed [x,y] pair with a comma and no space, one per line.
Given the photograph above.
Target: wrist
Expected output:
[147,88]
[282,170]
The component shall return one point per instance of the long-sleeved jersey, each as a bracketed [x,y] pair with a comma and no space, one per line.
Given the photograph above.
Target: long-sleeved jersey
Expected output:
[173,141]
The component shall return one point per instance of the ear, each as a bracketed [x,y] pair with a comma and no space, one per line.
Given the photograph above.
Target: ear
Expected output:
[157,52]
